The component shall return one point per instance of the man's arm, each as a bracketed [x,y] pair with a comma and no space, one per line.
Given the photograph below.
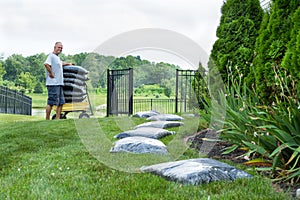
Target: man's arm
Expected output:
[49,69]
[67,64]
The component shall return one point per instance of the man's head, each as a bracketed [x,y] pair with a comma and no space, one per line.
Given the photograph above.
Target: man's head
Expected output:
[58,48]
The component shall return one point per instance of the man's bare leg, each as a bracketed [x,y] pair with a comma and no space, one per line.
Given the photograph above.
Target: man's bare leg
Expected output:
[58,111]
[48,111]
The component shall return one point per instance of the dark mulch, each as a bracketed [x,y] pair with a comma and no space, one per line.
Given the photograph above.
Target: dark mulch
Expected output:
[218,148]
[235,156]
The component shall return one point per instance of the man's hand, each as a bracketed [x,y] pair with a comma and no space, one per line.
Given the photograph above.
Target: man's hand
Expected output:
[67,64]
[51,74]
[48,67]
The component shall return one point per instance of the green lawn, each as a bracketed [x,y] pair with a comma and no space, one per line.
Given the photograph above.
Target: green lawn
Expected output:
[40,100]
[48,160]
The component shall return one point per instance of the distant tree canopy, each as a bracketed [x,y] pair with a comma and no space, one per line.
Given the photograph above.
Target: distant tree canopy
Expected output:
[26,82]
[254,46]
[28,73]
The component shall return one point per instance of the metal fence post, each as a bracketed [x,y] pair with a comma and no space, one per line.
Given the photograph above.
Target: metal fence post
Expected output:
[130,91]
[108,94]
[15,96]
[6,99]
[176,93]
[24,111]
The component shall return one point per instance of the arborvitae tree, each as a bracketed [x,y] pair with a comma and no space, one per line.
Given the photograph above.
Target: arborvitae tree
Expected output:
[214,80]
[262,45]
[271,46]
[2,71]
[200,85]
[237,34]
[291,59]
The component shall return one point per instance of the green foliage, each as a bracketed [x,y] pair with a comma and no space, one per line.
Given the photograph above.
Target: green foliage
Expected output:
[14,65]
[145,72]
[167,92]
[38,89]
[253,43]
[291,60]
[277,32]
[270,133]
[154,73]
[200,86]
[237,34]
[2,71]
[79,59]
[97,65]
[101,90]
[36,66]
[9,84]
[169,86]
[26,82]
[149,90]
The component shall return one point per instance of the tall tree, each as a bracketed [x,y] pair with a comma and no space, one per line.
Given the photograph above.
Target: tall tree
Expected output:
[26,82]
[271,46]
[237,33]
[291,60]
[2,71]
[79,58]
[14,65]
[36,66]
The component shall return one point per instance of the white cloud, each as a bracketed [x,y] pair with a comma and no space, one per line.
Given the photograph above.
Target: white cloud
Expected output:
[31,26]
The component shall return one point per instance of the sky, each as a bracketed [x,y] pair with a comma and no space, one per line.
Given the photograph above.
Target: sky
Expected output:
[30,27]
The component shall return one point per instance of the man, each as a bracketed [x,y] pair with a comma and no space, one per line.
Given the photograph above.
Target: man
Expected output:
[55,81]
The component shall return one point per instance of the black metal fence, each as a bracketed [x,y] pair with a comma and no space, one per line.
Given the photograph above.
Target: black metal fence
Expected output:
[160,105]
[13,102]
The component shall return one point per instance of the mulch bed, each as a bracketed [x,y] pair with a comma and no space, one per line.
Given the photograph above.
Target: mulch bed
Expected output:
[218,148]
[235,156]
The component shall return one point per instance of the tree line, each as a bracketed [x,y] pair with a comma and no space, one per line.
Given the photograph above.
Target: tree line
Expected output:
[27,74]
[254,47]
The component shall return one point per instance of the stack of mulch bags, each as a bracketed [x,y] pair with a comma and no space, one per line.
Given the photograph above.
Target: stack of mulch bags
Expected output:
[75,78]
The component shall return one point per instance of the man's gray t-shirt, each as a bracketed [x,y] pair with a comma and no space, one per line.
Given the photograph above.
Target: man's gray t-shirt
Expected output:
[56,66]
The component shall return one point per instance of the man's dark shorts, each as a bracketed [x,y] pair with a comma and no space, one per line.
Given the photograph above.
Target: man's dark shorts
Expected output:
[55,95]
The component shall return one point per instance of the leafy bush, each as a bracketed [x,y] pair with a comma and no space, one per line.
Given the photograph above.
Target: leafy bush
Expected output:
[38,89]
[270,133]
[149,90]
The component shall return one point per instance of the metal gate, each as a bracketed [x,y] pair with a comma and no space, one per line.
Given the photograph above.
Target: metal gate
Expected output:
[119,92]
[190,87]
